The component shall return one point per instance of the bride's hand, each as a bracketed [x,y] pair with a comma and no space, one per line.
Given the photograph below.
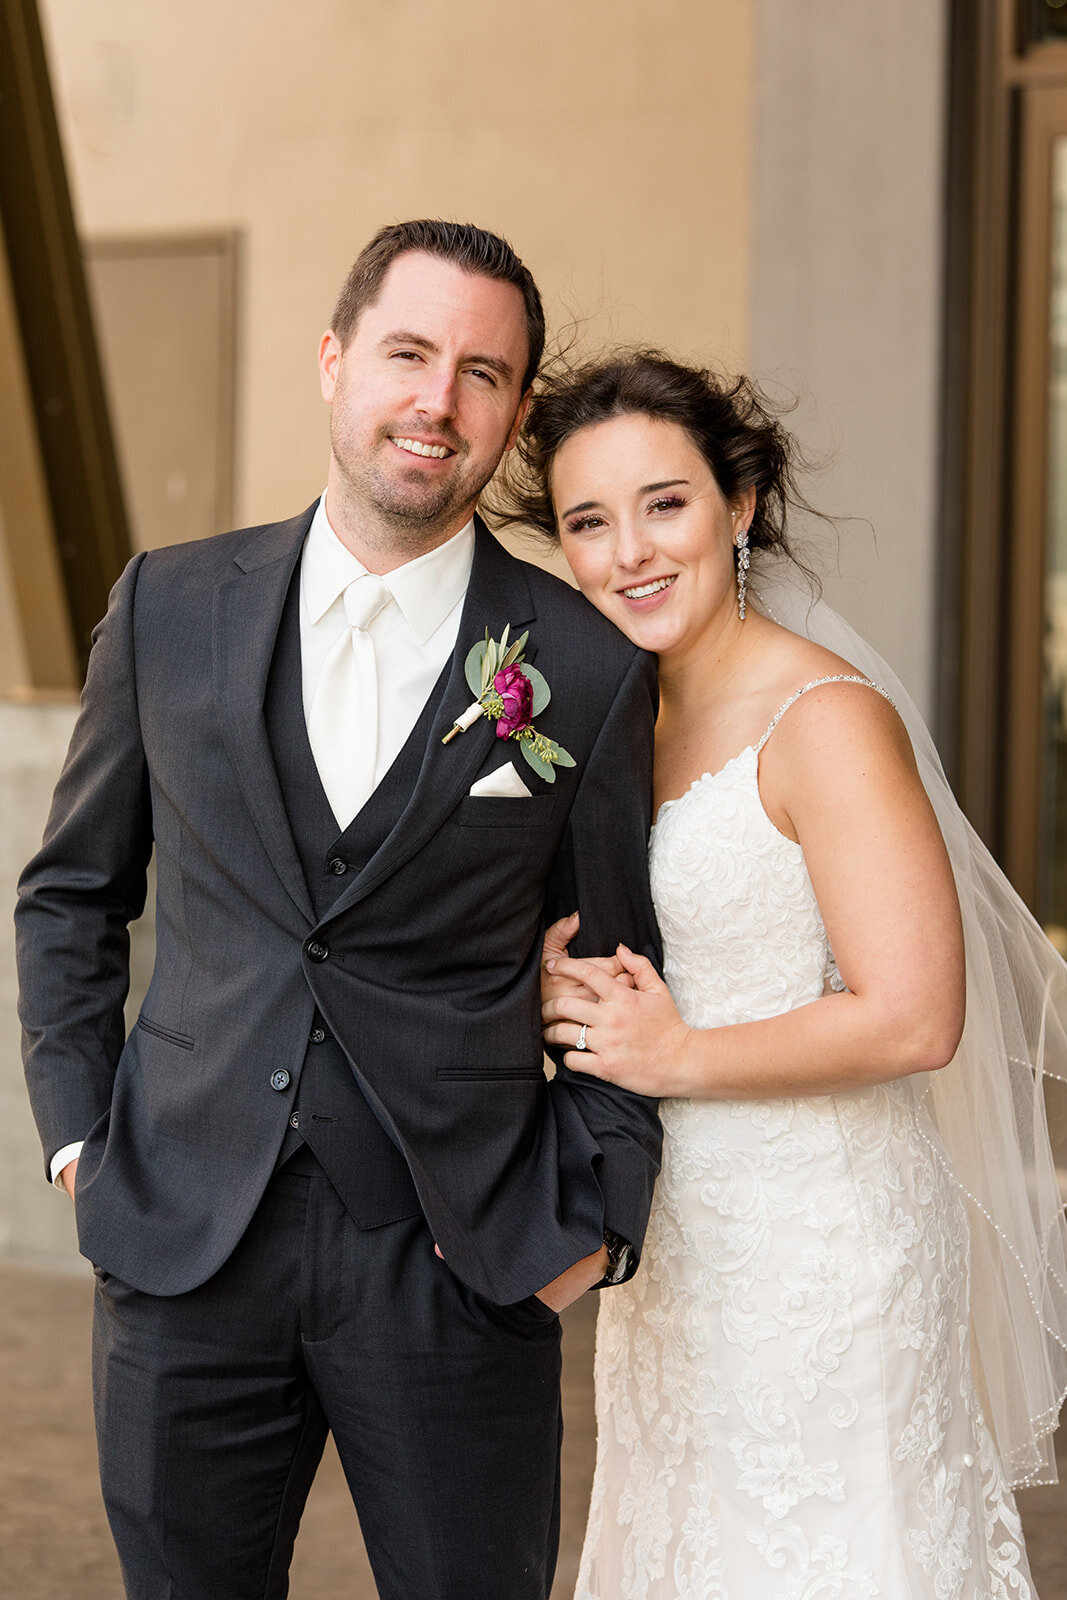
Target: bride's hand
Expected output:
[633,1035]
[553,985]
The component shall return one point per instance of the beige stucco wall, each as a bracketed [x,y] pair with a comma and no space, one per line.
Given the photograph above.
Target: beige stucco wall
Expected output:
[609,139]
[758,180]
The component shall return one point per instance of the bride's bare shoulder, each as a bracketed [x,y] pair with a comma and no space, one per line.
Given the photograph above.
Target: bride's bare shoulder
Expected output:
[827,714]
[793,662]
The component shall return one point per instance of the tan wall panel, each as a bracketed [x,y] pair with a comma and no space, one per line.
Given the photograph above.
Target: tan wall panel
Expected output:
[847,281]
[164,317]
[609,139]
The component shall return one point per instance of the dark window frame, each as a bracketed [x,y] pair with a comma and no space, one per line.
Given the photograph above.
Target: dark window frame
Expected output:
[992,554]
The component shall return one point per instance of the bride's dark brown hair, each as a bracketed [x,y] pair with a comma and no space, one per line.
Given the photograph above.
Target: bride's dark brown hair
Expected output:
[730,421]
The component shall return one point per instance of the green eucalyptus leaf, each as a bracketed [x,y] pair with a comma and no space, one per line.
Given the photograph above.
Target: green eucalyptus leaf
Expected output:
[542,767]
[472,668]
[542,694]
[561,757]
[514,652]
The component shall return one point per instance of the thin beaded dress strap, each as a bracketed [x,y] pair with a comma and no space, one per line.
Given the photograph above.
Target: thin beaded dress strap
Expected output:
[817,683]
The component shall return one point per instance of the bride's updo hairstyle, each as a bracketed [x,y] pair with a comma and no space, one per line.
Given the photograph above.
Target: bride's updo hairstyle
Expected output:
[729,420]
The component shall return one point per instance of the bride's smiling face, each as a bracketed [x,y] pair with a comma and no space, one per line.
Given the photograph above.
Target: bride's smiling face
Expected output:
[647,532]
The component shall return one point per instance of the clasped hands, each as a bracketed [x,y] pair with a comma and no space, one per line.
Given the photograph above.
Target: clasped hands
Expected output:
[633,1035]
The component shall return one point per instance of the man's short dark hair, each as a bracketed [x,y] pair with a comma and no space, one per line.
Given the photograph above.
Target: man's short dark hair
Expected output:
[467,247]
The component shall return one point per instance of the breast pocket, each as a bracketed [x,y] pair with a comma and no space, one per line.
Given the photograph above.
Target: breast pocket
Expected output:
[492,811]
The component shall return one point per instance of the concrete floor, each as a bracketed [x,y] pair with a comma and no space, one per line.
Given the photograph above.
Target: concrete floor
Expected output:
[54,1543]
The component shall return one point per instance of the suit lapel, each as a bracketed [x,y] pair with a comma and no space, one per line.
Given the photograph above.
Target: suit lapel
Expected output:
[247,614]
[497,595]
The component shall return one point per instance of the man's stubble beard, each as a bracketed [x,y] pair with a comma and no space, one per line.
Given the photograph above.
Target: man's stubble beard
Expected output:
[408,516]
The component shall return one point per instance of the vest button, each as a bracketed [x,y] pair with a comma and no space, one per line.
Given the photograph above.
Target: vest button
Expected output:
[317,1035]
[316,951]
[280,1079]
[338,866]
[294,1120]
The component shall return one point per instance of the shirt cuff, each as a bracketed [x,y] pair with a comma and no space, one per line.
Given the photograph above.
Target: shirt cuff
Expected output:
[63,1158]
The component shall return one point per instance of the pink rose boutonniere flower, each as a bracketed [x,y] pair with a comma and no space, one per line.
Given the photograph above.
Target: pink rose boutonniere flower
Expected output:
[516,694]
[511,693]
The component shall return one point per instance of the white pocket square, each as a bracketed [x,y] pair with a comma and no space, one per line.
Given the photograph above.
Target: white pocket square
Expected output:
[503,784]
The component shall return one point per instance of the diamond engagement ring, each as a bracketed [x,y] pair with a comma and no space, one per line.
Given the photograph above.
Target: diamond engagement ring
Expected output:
[581,1044]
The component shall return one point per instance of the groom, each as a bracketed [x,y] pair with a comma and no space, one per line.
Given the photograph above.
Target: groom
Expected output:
[324,1183]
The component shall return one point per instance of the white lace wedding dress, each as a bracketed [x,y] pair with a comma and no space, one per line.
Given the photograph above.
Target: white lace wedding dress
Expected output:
[785,1403]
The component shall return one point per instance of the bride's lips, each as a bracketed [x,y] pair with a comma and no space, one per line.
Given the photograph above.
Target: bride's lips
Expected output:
[648,595]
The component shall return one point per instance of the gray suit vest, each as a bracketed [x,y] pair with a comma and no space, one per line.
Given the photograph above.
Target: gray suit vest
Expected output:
[331,1116]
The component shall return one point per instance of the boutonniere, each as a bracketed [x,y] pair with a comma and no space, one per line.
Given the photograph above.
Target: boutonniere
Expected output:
[511,693]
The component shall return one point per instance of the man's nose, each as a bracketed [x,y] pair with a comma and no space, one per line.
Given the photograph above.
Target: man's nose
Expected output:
[437,393]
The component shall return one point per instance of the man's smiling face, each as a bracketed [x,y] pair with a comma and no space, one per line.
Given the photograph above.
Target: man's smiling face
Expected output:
[425,398]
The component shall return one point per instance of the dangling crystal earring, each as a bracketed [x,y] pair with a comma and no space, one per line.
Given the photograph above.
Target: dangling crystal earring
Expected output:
[742,571]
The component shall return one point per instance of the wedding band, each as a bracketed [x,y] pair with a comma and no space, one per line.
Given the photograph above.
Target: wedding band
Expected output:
[581,1045]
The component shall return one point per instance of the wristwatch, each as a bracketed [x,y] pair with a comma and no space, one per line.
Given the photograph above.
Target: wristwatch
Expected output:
[620,1259]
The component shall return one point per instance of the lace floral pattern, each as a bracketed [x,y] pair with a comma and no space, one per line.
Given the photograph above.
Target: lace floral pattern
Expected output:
[785,1403]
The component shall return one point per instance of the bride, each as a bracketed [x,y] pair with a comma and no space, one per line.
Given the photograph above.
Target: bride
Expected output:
[844,1344]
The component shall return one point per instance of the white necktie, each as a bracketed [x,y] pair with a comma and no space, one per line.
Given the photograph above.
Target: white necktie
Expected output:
[343,721]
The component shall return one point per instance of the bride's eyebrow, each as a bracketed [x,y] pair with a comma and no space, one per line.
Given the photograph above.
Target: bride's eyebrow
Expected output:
[648,488]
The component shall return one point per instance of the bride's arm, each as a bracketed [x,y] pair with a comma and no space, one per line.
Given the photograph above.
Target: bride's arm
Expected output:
[839,777]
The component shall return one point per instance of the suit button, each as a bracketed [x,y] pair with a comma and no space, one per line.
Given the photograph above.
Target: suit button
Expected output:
[279,1079]
[294,1120]
[338,867]
[317,1035]
[316,951]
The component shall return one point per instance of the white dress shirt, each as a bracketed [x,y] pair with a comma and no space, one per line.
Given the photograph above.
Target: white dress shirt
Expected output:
[414,635]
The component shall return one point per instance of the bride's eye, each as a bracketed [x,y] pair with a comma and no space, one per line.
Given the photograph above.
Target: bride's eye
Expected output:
[667,502]
[590,519]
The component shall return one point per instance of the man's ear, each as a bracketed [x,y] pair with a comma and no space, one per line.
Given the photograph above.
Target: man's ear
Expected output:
[330,353]
[520,418]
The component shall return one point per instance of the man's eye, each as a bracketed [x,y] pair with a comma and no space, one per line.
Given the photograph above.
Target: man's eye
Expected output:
[406,355]
[487,377]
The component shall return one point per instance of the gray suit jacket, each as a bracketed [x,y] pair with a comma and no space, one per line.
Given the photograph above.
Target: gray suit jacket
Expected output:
[426,967]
